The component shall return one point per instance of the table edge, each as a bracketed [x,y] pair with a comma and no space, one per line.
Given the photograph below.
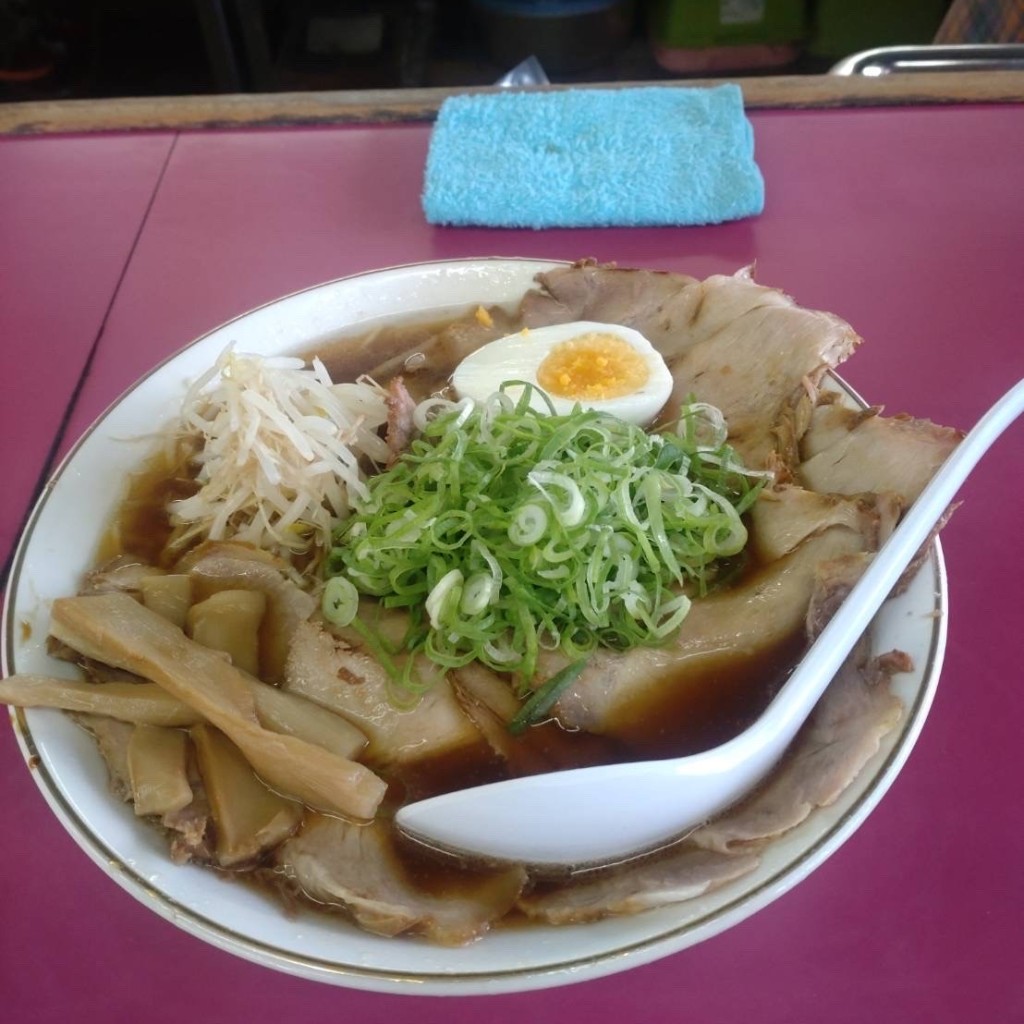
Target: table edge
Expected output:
[389,106]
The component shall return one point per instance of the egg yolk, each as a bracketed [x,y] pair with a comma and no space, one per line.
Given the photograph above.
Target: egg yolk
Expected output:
[592,367]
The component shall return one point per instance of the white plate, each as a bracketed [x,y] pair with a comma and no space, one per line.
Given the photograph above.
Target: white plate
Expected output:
[57,548]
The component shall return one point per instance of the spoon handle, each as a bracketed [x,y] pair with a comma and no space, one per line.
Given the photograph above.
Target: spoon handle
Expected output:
[838,637]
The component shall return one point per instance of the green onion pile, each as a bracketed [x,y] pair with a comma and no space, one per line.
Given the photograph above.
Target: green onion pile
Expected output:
[503,532]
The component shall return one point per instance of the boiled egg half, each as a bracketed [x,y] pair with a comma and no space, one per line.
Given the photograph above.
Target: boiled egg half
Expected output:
[603,367]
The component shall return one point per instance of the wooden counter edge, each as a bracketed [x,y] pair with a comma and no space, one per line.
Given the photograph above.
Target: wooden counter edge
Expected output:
[275,110]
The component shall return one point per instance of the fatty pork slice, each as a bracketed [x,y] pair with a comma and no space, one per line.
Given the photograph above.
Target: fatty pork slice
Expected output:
[846,451]
[328,671]
[120,573]
[745,348]
[784,517]
[759,359]
[682,873]
[401,428]
[843,733]
[112,740]
[356,867]
[620,694]
[658,304]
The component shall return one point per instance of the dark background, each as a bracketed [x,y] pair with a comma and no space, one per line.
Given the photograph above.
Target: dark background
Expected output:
[52,49]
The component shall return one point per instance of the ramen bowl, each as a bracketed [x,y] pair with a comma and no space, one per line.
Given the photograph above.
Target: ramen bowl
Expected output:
[57,548]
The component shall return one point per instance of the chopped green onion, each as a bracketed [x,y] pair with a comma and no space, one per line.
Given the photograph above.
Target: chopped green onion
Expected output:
[573,507]
[529,526]
[504,532]
[543,699]
[478,593]
[340,601]
[444,594]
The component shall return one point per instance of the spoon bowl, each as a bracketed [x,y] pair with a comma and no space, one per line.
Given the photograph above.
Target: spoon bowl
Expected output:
[611,812]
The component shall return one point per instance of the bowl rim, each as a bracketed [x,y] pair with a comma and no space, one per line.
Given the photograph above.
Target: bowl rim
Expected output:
[565,970]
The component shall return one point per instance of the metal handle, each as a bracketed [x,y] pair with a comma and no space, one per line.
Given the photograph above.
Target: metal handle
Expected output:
[887,60]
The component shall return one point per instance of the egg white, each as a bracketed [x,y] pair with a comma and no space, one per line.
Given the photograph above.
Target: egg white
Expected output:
[517,357]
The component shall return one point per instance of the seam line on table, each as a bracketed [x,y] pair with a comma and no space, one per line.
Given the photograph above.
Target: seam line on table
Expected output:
[58,439]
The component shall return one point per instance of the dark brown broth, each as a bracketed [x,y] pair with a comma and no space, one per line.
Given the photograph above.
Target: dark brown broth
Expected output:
[141,526]
[693,713]
[422,353]
[705,708]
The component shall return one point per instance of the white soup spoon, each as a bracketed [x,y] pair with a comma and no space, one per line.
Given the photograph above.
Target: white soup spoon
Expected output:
[609,812]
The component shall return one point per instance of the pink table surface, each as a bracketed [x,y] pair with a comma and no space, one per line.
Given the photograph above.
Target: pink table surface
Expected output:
[907,222]
[70,211]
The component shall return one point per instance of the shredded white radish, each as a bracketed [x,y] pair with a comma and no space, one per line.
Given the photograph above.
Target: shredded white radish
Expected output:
[280,459]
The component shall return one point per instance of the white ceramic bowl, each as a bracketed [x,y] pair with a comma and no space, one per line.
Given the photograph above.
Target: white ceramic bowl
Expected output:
[56,549]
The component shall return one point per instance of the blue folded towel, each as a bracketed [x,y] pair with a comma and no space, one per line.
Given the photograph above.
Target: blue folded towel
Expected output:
[645,155]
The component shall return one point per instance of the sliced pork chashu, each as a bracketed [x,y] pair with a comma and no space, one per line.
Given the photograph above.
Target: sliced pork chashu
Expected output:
[355,867]
[428,368]
[847,451]
[681,874]
[353,684]
[112,738]
[658,304]
[784,517]
[620,694]
[491,704]
[760,361]
[841,736]
[747,349]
